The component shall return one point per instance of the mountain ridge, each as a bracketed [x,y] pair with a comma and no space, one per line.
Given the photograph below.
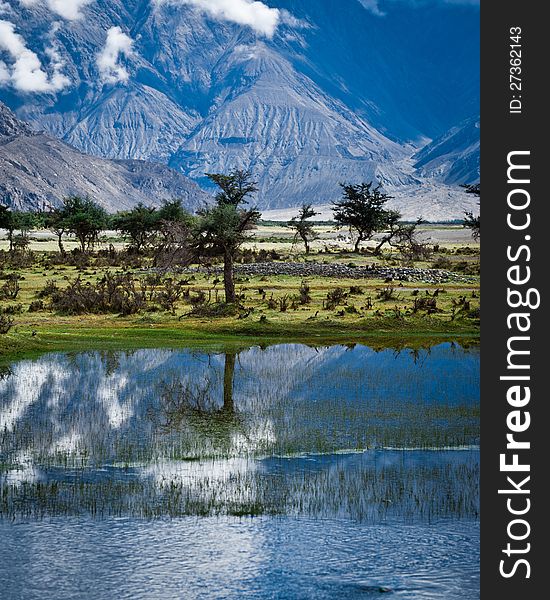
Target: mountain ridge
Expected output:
[337,93]
[454,157]
[37,171]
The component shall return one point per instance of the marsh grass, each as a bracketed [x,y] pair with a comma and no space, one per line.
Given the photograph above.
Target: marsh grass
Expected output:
[262,431]
[363,490]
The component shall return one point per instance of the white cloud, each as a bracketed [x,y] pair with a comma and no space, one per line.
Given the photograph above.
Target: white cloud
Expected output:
[68,9]
[256,15]
[26,73]
[118,45]
[373,7]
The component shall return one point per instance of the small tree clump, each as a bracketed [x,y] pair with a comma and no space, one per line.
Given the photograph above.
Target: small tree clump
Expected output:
[84,219]
[138,225]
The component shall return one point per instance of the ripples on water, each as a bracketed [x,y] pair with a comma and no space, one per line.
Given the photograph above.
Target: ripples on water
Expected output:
[379,447]
[231,558]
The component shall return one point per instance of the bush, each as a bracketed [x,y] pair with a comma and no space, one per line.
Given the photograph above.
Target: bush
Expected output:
[36,306]
[468,268]
[283,303]
[215,310]
[386,294]
[462,308]
[13,309]
[10,290]
[427,303]
[305,295]
[169,295]
[48,290]
[112,294]
[198,299]
[6,323]
[335,297]
[442,263]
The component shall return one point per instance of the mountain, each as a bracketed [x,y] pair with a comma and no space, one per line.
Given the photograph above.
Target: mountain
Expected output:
[301,140]
[338,90]
[37,171]
[452,158]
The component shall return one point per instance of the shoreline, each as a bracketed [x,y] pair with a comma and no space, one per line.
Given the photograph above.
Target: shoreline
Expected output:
[83,336]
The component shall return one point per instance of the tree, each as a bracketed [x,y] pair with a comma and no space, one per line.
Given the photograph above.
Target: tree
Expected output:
[13,221]
[84,219]
[304,229]
[139,225]
[235,187]
[471,222]
[174,227]
[7,222]
[55,222]
[221,229]
[172,211]
[361,209]
[403,236]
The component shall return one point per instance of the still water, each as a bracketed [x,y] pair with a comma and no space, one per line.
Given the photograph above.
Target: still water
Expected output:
[283,472]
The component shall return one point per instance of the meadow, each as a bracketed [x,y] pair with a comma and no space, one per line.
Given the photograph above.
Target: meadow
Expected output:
[182,306]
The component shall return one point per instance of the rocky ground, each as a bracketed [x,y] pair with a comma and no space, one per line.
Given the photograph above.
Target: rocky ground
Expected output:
[340,271]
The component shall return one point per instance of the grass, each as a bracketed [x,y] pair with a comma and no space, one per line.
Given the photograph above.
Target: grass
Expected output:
[353,319]
[362,315]
[361,492]
[265,456]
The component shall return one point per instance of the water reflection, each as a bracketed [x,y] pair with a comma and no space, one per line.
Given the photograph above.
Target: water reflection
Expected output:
[288,429]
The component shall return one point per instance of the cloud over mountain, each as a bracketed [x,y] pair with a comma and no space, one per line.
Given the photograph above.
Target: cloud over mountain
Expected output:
[256,15]
[67,9]
[305,93]
[26,72]
[118,45]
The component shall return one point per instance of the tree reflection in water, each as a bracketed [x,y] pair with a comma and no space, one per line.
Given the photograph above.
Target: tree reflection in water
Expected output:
[194,405]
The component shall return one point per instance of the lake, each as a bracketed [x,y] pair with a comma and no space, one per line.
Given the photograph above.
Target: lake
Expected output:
[288,471]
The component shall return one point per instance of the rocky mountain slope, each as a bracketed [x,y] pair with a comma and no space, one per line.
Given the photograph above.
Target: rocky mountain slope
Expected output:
[305,93]
[37,171]
[452,158]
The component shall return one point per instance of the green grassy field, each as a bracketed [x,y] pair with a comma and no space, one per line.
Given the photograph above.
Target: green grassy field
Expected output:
[270,307]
